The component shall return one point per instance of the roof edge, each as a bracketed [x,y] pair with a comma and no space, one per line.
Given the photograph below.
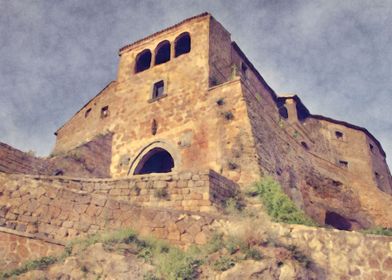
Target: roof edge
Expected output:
[126,47]
[344,123]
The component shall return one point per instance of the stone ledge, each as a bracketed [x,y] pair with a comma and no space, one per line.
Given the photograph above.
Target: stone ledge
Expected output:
[32,236]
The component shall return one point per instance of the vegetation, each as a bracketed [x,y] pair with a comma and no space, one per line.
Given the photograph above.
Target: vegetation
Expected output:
[278,205]
[41,263]
[223,263]
[379,231]
[171,263]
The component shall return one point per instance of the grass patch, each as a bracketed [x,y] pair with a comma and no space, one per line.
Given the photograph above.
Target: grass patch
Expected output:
[378,231]
[278,205]
[223,263]
[40,263]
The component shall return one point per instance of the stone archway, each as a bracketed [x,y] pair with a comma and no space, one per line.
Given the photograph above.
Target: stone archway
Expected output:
[157,160]
[157,157]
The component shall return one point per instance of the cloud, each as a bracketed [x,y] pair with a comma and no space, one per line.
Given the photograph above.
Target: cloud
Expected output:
[56,55]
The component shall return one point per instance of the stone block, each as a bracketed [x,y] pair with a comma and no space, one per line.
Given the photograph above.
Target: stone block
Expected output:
[185,175]
[115,192]
[98,200]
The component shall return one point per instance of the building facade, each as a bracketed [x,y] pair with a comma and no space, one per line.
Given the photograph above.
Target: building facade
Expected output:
[187,98]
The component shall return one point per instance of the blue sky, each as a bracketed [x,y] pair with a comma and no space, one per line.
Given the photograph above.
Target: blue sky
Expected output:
[56,55]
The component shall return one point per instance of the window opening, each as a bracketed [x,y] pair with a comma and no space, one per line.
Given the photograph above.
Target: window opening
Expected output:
[182,44]
[158,89]
[343,163]
[339,134]
[143,61]
[104,112]
[162,52]
[88,111]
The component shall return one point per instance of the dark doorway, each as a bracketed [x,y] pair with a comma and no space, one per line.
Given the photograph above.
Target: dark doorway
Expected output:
[157,160]
[337,221]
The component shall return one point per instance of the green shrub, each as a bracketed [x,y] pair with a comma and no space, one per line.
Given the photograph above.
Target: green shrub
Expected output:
[214,244]
[279,206]
[234,244]
[223,263]
[378,231]
[40,263]
[253,254]
[150,276]
[176,264]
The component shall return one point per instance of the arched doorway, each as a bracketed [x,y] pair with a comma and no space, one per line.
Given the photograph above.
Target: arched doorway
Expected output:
[157,160]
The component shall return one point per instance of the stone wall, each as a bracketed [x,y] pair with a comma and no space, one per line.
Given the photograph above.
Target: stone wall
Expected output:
[90,159]
[340,254]
[62,208]
[15,161]
[17,247]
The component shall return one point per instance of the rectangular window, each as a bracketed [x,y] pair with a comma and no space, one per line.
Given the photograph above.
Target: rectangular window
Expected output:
[158,89]
[104,112]
[343,163]
[371,148]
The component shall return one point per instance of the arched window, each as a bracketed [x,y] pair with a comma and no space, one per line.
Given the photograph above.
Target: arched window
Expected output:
[162,52]
[143,61]
[182,44]
[157,160]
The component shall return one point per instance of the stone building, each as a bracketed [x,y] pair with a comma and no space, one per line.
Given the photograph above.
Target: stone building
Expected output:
[187,98]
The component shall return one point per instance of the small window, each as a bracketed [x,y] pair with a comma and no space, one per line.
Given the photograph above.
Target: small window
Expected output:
[371,148]
[338,134]
[104,112]
[283,112]
[162,52]
[88,111]
[182,44]
[158,90]
[304,145]
[244,68]
[343,163]
[143,61]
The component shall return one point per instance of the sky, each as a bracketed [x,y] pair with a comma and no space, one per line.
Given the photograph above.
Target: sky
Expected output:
[56,55]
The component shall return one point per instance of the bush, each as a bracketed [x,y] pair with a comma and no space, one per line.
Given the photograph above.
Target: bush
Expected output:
[378,231]
[253,254]
[223,263]
[41,263]
[279,206]
[214,244]
[177,264]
